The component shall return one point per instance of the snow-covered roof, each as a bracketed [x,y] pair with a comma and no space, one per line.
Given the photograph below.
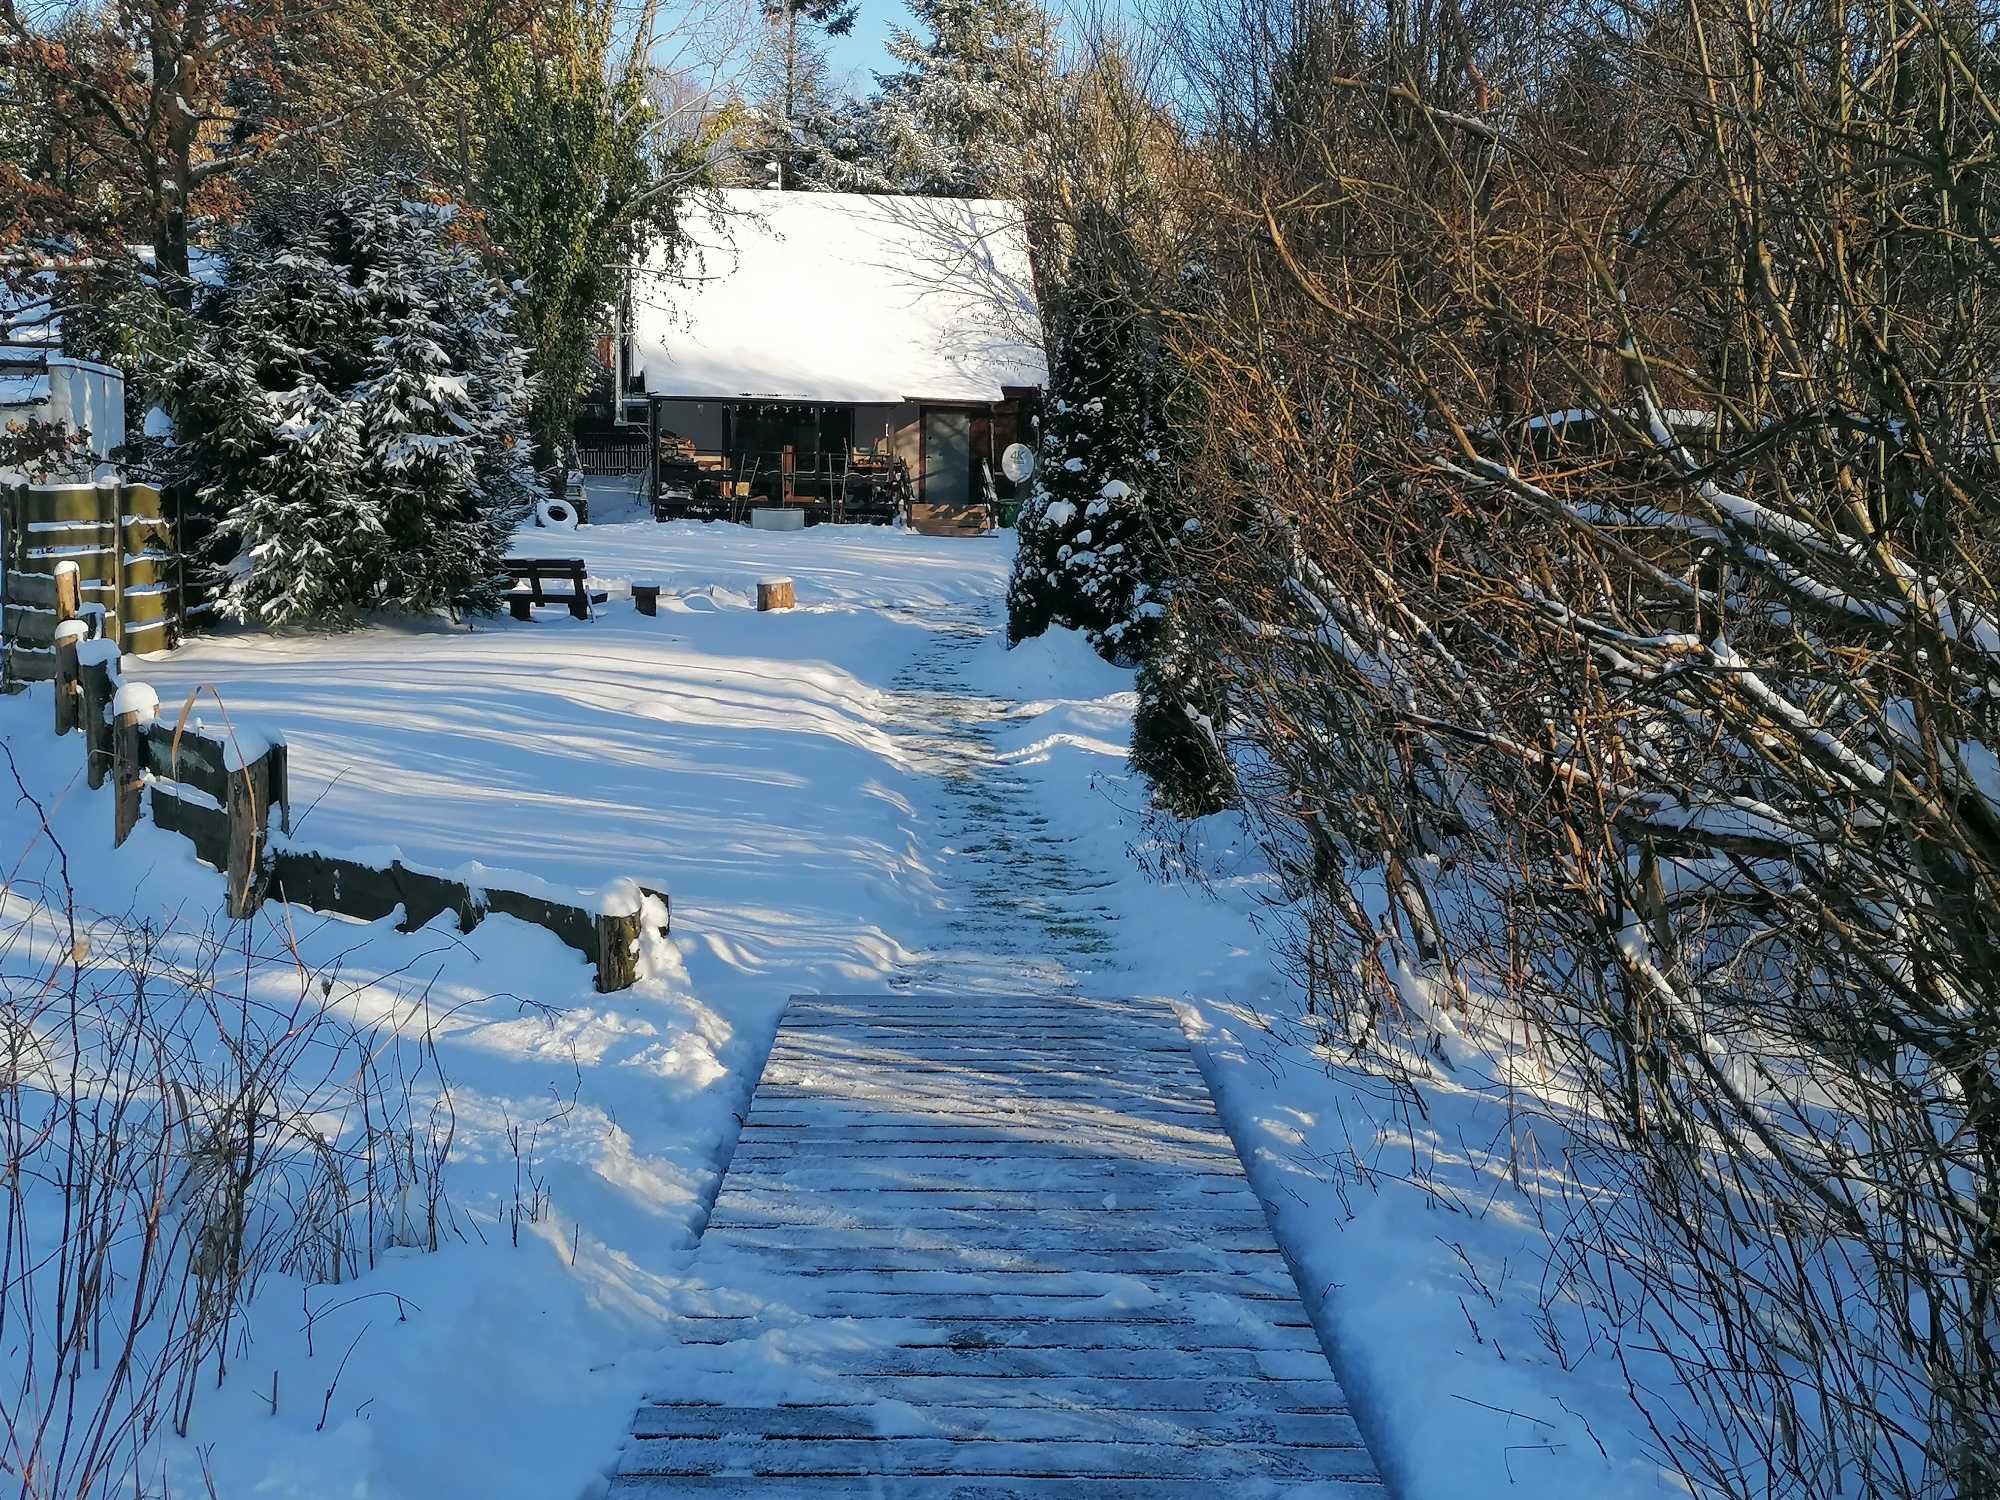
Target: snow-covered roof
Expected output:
[844,297]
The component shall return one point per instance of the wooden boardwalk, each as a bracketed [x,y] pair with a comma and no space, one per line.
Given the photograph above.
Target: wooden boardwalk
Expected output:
[1060,1280]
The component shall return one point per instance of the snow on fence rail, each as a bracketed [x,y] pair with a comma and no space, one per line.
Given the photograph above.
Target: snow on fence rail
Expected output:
[219,793]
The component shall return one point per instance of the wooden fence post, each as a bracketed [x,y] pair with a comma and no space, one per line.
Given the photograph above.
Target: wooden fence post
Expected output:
[646,598]
[617,951]
[133,709]
[98,687]
[278,785]
[69,687]
[249,805]
[69,591]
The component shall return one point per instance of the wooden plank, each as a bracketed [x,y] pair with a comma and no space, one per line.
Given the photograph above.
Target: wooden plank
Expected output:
[949,1096]
[1065,1270]
[1033,1162]
[817,1015]
[1033,1157]
[1011,1228]
[1020,1237]
[878,1129]
[1073,1421]
[933,1065]
[1321,1396]
[1072,1048]
[935,1487]
[872,1292]
[944,1458]
[1162,1183]
[911,1329]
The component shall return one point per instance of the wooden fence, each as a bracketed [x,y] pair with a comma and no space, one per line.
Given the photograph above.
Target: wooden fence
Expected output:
[114,536]
[615,458]
[220,793]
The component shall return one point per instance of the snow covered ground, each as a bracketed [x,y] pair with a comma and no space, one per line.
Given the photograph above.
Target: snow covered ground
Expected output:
[867,793]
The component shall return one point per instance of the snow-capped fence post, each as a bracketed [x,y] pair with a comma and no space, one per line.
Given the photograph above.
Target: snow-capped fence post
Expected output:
[69,591]
[621,918]
[97,662]
[69,688]
[133,709]
[775,593]
[617,950]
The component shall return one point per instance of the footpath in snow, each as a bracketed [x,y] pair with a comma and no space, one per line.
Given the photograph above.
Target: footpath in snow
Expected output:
[867,795]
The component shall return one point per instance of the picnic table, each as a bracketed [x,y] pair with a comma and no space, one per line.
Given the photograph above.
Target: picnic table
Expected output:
[537,573]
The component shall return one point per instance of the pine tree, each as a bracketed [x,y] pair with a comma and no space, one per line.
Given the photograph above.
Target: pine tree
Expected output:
[794,104]
[347,419]
[949,117]
[1086,534]
[1098,537]
[806,134]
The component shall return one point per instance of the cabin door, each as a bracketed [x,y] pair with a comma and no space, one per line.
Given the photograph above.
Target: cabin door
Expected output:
[947,477]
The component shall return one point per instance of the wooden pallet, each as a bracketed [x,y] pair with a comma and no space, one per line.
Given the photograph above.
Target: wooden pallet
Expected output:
[1056,1267]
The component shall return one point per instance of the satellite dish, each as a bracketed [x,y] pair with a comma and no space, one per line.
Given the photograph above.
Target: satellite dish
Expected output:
[1018,462]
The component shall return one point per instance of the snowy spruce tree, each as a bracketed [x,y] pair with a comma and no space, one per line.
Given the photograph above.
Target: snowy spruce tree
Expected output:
[947,119]
[1099,536]
[1088,538]
[348,422]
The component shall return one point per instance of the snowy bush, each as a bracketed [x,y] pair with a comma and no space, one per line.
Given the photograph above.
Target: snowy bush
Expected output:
[1089,539]
[348,421]
[1098,536]
[1180,725]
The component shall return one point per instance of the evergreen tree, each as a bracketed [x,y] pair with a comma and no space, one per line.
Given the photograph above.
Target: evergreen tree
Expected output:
[806,134]
[1098,536]
[346,420]
[1086,534]
[949,117]
[794,103]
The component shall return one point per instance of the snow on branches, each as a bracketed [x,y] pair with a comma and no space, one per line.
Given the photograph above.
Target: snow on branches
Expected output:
[348,417]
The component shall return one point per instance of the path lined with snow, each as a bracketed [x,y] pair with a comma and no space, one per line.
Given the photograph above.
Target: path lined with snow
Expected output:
[1024,918]
[1017,1250]
[1034,1263]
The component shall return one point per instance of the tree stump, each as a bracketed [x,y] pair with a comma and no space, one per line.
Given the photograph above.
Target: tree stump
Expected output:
[775,593]
[646,598]
[617,950]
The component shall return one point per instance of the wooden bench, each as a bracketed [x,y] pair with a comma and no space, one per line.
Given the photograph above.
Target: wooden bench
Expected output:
[537,571]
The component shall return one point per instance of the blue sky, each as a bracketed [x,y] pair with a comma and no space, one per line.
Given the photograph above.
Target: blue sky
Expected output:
[860,53]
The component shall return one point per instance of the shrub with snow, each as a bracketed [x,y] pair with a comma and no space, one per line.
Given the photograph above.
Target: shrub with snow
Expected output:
[1099,533]
[1088,539]
[347,421]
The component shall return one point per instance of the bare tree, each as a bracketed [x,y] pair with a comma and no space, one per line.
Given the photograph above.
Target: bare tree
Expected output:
[1596,420]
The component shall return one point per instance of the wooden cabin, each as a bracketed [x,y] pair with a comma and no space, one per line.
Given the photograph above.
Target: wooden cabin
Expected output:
[856,356]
